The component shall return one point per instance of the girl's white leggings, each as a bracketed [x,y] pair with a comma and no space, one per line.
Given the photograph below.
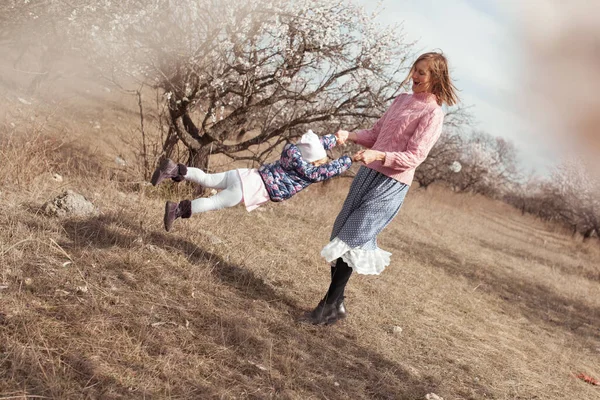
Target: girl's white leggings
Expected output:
[229,182]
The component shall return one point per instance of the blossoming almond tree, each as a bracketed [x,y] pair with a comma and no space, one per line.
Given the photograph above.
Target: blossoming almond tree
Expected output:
[578,192]
[237,75]
[489,165]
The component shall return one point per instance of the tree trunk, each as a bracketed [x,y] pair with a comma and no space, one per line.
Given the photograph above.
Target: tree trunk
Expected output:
[199,158]
[170,143]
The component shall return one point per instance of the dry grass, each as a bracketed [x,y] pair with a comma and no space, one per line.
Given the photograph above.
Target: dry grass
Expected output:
[493,305]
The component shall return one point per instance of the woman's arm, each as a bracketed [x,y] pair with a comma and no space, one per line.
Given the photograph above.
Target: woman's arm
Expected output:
[343,136]
[368,156]
[368,137]
[365,138]
[426,134]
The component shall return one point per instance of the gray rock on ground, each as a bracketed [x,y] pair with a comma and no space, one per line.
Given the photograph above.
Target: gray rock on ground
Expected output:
[69,204]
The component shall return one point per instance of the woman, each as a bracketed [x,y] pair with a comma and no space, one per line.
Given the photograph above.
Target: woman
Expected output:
[395,146]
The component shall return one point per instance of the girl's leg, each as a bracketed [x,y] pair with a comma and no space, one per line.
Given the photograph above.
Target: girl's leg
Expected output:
[221,180]
[230,196]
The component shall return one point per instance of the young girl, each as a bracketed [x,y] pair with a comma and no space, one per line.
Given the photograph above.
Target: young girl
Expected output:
[299,165]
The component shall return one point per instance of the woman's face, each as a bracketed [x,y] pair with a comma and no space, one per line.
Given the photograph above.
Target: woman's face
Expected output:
[421,77]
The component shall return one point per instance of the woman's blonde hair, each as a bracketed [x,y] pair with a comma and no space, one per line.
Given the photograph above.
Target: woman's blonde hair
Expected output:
[441,84]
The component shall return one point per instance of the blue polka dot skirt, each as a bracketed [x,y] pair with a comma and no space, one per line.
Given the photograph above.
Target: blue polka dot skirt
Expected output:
[372,203]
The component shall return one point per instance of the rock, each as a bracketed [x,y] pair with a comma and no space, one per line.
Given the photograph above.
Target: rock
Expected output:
[69,204]
[433,396]
[57,178]
[82,289]
[120,162]
[23,101]
[396,330]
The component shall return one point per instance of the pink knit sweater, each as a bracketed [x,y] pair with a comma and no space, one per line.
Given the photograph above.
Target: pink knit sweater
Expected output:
[406,133]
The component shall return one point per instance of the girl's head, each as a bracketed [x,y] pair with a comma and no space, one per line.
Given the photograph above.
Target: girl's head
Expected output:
[311,148]
[430,74]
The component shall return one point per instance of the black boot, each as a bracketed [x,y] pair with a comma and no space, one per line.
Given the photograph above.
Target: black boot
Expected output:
[324,314]
[168,169]
[340,273]
[173,211]
[341,308]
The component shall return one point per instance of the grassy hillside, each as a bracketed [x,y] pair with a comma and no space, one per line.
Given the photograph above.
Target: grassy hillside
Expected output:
[492,304]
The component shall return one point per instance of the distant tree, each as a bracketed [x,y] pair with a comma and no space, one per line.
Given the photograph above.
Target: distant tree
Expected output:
[489,165]
[578,195]
[526,194]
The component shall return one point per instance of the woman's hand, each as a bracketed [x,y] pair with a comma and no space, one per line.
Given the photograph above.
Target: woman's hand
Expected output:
[368,156]
[342,136]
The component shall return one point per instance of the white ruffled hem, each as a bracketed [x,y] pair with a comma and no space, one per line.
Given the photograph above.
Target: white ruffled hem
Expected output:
[362,261]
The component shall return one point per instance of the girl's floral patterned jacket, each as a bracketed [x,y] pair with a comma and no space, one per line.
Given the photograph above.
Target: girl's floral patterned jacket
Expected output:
[290,174]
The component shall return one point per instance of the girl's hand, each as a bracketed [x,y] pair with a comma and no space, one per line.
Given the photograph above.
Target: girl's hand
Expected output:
[368,156]
[342,136]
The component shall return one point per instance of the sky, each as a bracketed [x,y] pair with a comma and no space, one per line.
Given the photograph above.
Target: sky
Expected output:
[484,46]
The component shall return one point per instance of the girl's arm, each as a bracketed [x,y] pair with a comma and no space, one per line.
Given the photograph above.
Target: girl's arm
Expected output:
[427,133]
[328,141]
[323,171]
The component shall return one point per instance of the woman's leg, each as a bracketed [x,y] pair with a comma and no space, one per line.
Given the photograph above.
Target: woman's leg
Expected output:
[331,308]
[340,274]
[372,202]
